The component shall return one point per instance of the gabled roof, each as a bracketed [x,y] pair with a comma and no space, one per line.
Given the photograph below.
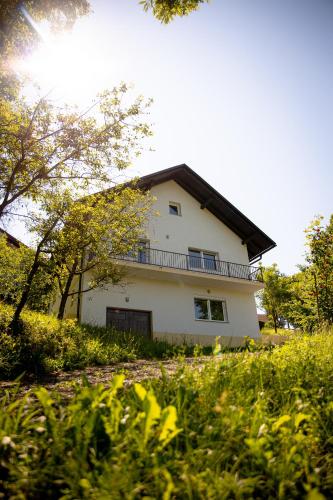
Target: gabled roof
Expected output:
[256,240]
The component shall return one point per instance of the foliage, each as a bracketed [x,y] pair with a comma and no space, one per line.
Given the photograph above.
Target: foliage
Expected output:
[51,156]
[18,34]
[44,147]
[166,10]
[12,270]
[274,295]
[309,301]
[304,299]
[47,344]
[244,427]
[82,237]
[14,267]
[320,259]
[300,309]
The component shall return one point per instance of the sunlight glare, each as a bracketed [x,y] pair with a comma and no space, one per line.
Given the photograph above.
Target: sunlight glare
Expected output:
[67,64]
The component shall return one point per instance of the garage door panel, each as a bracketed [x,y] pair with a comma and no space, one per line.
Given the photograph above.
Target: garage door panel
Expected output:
[126,320]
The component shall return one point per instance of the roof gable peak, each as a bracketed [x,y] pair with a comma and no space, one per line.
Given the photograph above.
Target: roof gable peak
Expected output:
[256,240]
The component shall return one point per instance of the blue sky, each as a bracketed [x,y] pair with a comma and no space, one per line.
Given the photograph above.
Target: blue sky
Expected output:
[243,93]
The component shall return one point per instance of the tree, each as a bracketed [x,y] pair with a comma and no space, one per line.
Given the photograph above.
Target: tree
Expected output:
[94,233]
[82,238]
[274,295]
[166,10]
[307,296]
[300,308]
[42,146]
[12,270]
[320,260]
[15,264]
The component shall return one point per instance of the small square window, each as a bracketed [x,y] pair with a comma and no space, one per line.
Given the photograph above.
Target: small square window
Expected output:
[174,208]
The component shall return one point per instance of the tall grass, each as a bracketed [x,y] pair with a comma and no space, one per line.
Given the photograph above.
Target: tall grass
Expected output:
[252,425]
[47,344]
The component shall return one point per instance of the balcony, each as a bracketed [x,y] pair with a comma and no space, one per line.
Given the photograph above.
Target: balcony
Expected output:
[183,262]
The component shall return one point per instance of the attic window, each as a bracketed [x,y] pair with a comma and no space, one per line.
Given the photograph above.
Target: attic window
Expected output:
[174,208]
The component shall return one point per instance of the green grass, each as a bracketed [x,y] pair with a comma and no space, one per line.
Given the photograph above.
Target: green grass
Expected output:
[48,345]
[280,331]
[250,426]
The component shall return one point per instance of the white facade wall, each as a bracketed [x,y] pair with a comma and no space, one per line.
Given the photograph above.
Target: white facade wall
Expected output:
[172,301]
[195,228]
[172,306]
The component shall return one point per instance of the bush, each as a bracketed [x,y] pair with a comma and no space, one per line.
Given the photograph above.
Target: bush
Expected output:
[254,425]
[47,344]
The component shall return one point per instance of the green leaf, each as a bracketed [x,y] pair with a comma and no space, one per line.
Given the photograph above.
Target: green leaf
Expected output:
[140,391]
[315,495]
[117,383]
[153,412]
[84,483]
[169,418]
[280,422]
[300,417]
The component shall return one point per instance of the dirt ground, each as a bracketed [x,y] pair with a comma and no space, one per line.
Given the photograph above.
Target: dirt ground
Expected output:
[134,371]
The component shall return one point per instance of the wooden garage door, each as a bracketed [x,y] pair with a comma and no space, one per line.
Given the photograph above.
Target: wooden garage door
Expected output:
[126,320]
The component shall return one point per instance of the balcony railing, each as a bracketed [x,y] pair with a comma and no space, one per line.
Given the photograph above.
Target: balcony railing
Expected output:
[173,260]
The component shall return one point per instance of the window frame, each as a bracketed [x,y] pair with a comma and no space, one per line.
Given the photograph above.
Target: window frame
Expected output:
[202,259]
[143,251]
[177,206]
[214,299]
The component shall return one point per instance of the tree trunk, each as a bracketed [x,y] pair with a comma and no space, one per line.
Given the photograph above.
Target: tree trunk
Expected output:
[316,293]
[15,323]
[65,293]
[275,322]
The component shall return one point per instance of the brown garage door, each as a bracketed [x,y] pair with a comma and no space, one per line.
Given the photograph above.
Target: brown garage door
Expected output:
[126,320]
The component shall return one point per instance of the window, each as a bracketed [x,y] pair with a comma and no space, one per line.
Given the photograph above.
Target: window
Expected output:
[140,253]
[143,251]
[210,309]
[201,309]
[199,259]
[174,208]
[195,258]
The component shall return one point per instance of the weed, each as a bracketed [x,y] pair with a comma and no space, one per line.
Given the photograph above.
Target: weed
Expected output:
[247,425]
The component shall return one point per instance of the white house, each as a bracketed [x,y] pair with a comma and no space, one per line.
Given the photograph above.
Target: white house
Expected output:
[192,279]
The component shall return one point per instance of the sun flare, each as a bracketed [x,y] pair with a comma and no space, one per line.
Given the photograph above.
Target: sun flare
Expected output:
[66,64]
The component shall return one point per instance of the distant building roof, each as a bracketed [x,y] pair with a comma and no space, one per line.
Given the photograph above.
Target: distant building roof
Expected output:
[11,240]
[263,318]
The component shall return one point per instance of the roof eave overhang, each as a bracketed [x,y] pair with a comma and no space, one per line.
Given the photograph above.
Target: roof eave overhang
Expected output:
[256,240]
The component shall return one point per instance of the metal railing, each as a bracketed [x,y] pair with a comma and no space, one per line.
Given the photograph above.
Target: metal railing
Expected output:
[173,260]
